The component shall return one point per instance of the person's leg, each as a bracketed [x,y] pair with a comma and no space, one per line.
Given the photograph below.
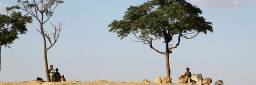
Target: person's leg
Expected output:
[189,80]
[50,77]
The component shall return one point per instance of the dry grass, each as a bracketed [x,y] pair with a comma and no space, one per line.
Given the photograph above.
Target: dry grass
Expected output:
[96,82]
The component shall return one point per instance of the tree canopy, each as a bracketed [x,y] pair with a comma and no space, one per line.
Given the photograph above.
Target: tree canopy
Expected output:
[152,21]
[11,26]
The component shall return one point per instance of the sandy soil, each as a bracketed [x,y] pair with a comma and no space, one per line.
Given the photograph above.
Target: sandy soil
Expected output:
[96,82]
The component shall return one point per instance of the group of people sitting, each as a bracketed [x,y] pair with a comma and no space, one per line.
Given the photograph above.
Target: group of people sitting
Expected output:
[187,77]
[55,75]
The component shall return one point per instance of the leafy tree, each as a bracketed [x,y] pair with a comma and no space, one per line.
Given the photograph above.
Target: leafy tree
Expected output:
[42,11]
[169,21]
[10,27]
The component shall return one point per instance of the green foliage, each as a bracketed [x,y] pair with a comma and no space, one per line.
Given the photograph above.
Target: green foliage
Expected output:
[34,7]
[157,20]
[11,26]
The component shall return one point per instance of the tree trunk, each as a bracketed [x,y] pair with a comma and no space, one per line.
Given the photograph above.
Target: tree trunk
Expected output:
[0,57]
[167,61]
[45,52]
[46,65]
[46,59]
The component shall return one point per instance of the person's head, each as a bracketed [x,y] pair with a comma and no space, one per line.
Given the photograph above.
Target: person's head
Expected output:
[57,69]
[51,66]
[187,69]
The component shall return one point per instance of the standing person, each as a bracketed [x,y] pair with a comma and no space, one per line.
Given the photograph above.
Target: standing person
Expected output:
[188,75]
[51,72]
[56,75]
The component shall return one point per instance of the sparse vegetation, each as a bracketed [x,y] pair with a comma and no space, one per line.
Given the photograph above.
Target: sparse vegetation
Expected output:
[42,11]
[165,20]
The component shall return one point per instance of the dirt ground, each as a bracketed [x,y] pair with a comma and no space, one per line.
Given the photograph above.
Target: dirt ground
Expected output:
[96,82]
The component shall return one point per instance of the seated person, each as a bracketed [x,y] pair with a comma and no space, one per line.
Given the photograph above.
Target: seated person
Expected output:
[56,76]
[188,75]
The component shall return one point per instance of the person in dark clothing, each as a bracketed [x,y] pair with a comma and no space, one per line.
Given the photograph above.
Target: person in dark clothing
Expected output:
[188,74]
[56,75]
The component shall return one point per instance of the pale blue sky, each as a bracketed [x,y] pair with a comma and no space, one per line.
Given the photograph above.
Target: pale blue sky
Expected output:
[87,51]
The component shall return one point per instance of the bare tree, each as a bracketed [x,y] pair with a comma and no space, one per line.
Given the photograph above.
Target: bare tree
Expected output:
[42,11]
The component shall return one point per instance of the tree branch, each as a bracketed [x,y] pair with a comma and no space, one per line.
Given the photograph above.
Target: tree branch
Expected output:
[177,44]
[51,10]
[193,36]
[149,42]
[48,38]
[55,37]
[47,19]
[32,14]
[36,8]
[152,47]
[139,39]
